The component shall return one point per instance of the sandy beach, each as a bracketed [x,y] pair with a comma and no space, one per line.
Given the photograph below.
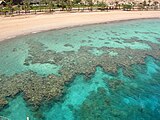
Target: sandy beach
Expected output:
[20,25]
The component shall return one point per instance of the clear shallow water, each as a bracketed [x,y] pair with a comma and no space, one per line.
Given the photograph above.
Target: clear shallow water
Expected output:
[13,54]
[128,34]
[127,98]
[103,96]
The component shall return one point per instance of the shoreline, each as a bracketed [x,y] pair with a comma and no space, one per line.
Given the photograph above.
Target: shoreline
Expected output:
[12,27]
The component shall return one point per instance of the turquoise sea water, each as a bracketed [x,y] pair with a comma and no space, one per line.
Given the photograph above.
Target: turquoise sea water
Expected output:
[103,96]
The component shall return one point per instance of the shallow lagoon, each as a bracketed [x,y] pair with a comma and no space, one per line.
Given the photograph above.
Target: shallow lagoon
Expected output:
[103,95]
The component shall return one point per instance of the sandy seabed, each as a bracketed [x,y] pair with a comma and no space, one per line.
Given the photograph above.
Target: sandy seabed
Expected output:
[20,25]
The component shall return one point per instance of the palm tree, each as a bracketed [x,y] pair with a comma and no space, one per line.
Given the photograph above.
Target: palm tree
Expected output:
[62,4]
[50,5]
[116,3]
[127,7]
[102,5]
[78,3]
[149,2]
[19,8]
[1,9]
[69,5]
[26,5]
[90,4]
[10,6]
[155,5]
[83,5]
[133,5]
[144,4]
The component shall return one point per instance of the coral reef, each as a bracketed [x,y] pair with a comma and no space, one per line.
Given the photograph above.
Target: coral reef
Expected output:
[117,105]
[38,88]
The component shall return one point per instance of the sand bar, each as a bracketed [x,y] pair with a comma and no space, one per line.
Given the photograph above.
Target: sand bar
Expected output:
[21,25]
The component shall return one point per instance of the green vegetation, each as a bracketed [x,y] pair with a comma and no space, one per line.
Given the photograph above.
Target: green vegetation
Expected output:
[127,7]
[26,5]
[49,6]
[102,6]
